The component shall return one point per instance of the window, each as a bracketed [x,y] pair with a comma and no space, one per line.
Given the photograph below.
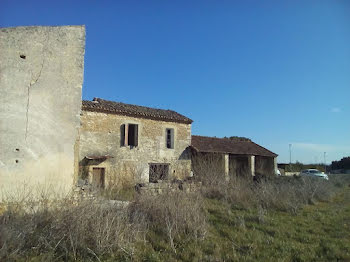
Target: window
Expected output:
[132,135]
[158,171]
[129,135]
[169,138]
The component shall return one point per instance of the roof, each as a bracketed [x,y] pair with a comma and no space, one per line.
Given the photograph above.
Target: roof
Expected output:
[105,106]
[234,146]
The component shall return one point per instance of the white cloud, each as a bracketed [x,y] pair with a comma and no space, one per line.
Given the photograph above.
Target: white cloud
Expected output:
[336,110]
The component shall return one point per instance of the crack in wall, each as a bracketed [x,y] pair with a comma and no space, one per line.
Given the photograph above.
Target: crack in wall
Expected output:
[32,83]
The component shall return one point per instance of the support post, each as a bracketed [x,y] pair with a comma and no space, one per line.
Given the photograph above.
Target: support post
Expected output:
[275,168]
[251,164]
[227,163]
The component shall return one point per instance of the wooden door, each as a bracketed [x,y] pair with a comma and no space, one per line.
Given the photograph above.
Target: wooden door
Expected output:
[98,177]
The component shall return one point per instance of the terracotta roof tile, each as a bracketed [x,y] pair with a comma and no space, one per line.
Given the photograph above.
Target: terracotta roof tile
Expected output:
[101,105]
[230,146]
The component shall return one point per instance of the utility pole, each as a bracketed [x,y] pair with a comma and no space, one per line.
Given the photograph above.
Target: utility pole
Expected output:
[324,161]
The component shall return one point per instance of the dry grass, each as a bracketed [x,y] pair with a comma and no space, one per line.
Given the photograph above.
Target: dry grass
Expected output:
[277,193]
[177,215]
[123,187]
[281,193]
[179,224]
[71,229]
[66,230]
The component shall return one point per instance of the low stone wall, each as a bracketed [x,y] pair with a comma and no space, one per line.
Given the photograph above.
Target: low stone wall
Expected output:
[167,186]
[292,173]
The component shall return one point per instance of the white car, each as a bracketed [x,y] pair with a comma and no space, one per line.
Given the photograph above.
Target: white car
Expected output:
[313,173]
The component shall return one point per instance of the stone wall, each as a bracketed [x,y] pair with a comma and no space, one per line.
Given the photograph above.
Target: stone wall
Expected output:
[41,77]
[100,135]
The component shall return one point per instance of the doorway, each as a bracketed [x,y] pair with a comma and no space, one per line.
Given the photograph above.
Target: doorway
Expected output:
[98,177]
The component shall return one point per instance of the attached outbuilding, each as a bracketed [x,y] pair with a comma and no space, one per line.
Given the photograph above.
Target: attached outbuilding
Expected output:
[231,157]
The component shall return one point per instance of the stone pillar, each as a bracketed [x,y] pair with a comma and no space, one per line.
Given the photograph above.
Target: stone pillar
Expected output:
[126,135]
[145,174]
[227,164]
[251,164]
[275,165]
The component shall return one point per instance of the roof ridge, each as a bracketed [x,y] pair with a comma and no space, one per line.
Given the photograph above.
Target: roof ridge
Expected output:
[264,148]
[226,138]
[148,107]
[109,106]
[227,145]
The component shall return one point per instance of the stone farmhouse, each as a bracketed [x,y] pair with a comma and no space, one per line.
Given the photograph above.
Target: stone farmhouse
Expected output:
[49,137]
[126,142]
[121,142]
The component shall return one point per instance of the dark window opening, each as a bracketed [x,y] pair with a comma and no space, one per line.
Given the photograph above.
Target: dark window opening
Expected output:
[132,135]
[122,135]
[158,172]
[17,149]
[169,136]
[16,160]
[129,135]
[22,56]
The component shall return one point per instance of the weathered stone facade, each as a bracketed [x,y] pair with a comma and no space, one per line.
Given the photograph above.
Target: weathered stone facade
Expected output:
[101,135]
[41,77]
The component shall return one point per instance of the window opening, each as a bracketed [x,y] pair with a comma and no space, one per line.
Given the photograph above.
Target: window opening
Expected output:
[169,136]
[158,172]
[132,135]
[129,135]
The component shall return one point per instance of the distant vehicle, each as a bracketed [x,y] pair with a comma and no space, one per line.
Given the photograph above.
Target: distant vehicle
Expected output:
[313,173]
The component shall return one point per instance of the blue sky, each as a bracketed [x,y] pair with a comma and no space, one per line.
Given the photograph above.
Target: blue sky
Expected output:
[277,72]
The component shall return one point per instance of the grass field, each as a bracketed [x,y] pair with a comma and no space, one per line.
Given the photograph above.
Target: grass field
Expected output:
[319,232]
[183,227]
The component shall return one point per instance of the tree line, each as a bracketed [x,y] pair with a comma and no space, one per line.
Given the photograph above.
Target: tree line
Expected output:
[344,163]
